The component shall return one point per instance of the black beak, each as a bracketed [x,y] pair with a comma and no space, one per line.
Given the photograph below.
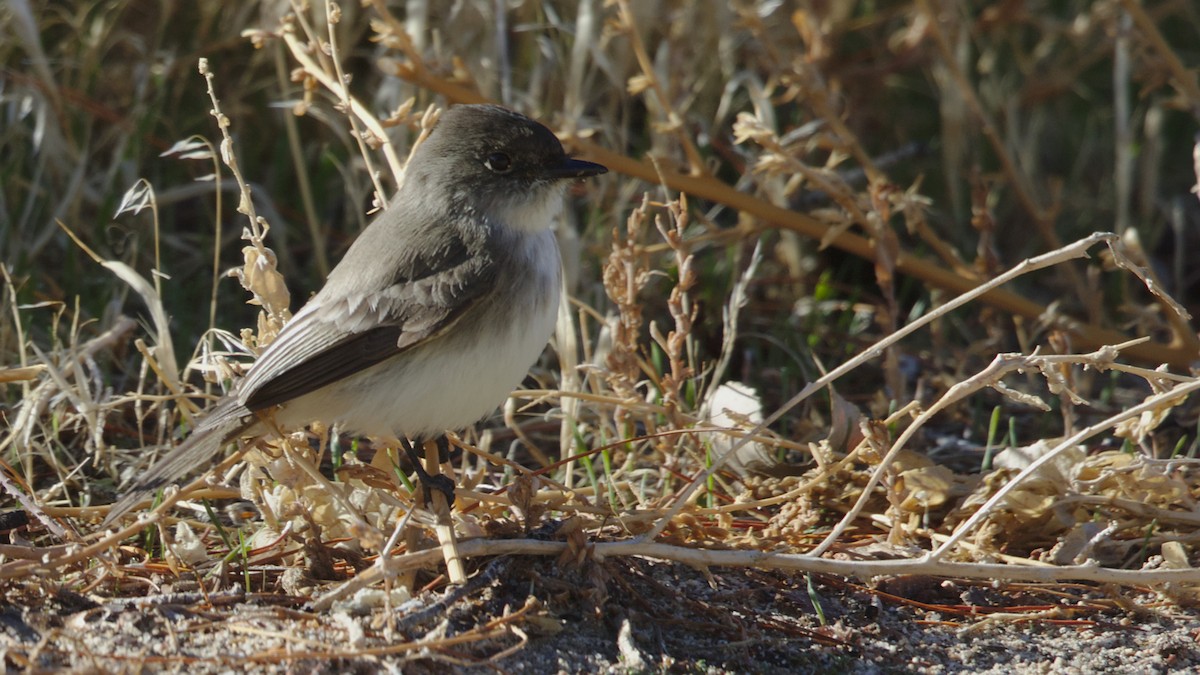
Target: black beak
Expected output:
[575,168]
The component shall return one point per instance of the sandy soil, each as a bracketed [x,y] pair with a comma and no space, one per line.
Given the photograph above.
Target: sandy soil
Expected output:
[628,615]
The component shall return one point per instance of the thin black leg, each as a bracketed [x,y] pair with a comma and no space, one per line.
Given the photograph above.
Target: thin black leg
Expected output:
[441,482]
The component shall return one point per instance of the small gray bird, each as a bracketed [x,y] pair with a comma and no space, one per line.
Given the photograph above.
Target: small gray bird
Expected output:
[436,311]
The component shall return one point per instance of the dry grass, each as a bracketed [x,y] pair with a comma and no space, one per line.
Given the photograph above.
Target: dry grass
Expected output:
[781,178]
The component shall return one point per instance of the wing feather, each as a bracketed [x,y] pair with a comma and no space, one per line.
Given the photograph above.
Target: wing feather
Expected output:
[339,334]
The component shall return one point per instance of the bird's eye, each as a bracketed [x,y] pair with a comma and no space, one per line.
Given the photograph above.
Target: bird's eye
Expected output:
[498,162]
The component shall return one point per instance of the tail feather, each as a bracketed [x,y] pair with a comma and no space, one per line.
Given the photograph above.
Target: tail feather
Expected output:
[223,424]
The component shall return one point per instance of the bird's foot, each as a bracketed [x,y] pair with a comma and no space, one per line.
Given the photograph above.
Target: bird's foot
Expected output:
[441,482]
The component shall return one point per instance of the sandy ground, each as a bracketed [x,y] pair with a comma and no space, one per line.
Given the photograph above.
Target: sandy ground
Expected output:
[629,615]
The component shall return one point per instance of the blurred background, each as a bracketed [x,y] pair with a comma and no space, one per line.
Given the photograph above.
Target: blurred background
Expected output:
[968,135]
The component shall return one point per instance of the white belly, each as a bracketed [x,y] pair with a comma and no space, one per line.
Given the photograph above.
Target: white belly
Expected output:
[453,381]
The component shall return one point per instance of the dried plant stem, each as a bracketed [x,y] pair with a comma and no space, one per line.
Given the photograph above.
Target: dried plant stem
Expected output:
[567,345]
[1182,77]
[444,524]
[701,558]
[335,492]
[333,15]
[991,376]
[260,274]
[1020,182]
[25,374]
[24,496]
[1075,250]
[673,122]
[491,630]
[35,402]
[95,550]
[319,248]
[354,108]
[625,274]
[936,274]
[246,205]
[677,344]
[1149,404]
[1176,314]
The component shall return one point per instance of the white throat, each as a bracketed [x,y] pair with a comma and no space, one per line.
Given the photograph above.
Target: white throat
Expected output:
[533,212]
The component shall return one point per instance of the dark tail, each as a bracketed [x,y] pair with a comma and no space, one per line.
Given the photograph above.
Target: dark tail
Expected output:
[222,424]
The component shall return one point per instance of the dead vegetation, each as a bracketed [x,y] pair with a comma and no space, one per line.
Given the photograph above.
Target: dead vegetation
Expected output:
[800,336]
